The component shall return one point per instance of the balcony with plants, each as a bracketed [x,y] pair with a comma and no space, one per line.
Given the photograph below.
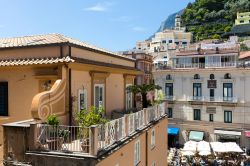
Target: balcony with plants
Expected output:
[94,134]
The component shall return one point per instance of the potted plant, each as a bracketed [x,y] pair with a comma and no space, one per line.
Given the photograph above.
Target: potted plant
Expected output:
[86,119]
[56,136]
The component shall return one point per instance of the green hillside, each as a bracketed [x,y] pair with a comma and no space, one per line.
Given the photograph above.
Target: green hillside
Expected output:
[211,18]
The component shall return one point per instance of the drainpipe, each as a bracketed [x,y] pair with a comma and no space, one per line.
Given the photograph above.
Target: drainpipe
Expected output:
[146,162]
[70,99]
[70,90]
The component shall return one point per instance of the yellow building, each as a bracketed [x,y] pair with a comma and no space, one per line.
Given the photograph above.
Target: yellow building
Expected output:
[53,74]
[242,18]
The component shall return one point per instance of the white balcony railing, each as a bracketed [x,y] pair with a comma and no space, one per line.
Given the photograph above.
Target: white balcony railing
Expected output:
[111,132]
[170,98]
[63,138]
[206,65]
[189,65]
[212,99]
[220,64]
[91,140]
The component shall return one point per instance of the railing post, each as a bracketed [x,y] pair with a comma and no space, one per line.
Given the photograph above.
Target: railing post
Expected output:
[145,116]
[126,116]
[5,142]
[157,111]
[33,133]
[94,140]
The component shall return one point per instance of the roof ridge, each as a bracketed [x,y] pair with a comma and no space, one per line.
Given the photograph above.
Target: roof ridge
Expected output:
[30,35]
[52,38]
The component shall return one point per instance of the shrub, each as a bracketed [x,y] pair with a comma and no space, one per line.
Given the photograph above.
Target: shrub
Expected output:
[53,120]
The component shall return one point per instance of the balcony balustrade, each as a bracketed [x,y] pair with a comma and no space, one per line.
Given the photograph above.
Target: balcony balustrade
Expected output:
[93,139]
[212,99]
[199,65]
[170,98]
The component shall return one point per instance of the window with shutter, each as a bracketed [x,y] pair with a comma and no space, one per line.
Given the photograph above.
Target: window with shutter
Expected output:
[137,153]
[99,95]
[129,98]
[82,99]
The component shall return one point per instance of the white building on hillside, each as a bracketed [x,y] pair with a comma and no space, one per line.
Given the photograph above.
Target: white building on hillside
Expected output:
[164,44]
[169,39]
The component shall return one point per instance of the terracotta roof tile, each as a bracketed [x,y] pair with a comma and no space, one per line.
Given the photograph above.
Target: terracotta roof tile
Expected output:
[47,39]
[35,61]
[244,55]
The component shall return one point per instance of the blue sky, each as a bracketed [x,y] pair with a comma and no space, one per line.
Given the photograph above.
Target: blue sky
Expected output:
[112,24]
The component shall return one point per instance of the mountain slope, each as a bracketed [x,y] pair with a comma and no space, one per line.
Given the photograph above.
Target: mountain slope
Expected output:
[211,18]
[169,22]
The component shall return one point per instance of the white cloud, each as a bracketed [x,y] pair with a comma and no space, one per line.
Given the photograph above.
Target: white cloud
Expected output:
[100,7]
[138,29]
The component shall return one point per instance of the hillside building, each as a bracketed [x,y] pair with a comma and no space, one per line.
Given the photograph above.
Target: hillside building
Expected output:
[168,39]
[144,63]
[242,18]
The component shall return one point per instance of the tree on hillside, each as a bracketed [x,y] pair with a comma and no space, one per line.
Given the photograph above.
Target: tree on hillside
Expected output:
[215,16]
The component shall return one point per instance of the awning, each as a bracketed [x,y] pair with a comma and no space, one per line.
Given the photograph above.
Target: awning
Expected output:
[247,133]
[227,132]
[173,131]
[196,135]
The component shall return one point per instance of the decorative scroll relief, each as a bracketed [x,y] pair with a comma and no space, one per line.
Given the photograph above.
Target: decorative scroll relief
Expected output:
[49,102]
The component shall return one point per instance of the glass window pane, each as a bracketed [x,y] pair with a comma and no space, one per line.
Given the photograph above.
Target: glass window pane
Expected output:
[96,96]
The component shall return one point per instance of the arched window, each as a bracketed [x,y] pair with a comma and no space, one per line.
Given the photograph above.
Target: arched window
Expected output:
[211,76]
[168,77]
[227,76]
[196,76]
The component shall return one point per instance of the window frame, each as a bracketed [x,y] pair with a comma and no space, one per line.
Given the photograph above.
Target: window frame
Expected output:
[171,90]
[6,97]
[195,115]
[137,153]
[211,76]
[230,120]
[152,141]
[103,95]
[227,76]
[197,77]
[170,109]
[228,96]
[84,92]
[127,94]
[211,117]
[168,77]
[195,89]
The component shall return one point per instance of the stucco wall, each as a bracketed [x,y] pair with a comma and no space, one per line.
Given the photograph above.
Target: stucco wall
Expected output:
[85,54]
[183,88]
[115,92]
[183,109]
[114,89]
[158,154]
[22,87]
[125,155]
[80,80]
[52,51]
